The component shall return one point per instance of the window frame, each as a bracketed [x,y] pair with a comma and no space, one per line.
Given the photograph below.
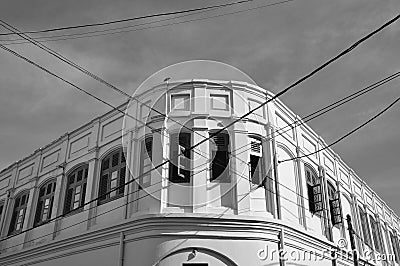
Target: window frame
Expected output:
[17,208]
[120,169]
[367,238]
[256,161]
[145,154]
[68,207]
[225,150]
[47,195]
[312,179]
[179,142]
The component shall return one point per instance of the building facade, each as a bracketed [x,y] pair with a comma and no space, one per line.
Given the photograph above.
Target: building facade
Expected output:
[259,186]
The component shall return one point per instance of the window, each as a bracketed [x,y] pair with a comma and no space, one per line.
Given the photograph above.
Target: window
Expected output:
[146,163]
[112,176]
[376,233]
[179,166]
[18,214]
[365,228]
[256,163]
[45,203]
[314,191]
[395,246]
[220,157]
[76,189]
[334,205]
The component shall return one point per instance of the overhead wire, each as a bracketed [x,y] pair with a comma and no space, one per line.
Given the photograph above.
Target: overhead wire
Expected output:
[283,91]
[133,19]
[302,79]
[301,121]
[85,35]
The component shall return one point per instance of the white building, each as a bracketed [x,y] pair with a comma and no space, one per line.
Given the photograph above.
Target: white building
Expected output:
[229,201]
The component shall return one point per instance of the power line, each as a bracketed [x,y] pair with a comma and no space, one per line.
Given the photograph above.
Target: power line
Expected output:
[348,133]
[88,34]
[346,51]
[134,18]
[11,51]
[330,107]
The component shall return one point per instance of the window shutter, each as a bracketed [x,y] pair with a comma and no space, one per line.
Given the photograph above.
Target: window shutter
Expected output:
[38,211]
[68,199]
[103,187]
[256,148]
[311,198]
[83,194]
[121,181]
[13,221]
[149,146]
[220,157]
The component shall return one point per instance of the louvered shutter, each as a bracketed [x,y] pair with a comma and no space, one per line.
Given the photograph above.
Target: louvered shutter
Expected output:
[220,157]
[256,147]
[68,199]
[103,187]
[311,202]
[13,221]
[38,211]
[83,194]
[121,181]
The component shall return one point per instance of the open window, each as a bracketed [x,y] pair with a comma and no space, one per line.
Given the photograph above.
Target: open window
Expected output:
[76,189]
[146,162]
[18,214]
[256,163]
[334,205]
[112,176]
[220,157]
[45,202]
[314,191]
[179,166]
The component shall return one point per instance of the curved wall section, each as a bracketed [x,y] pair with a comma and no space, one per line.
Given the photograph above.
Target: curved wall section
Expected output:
[231,200]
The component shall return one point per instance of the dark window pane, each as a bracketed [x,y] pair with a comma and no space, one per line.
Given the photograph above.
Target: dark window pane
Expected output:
[103,187]
[49,189]
[115,160]
[17,202]
[68,199]
[39,210]
[42,191]
[79,176]
[105,164]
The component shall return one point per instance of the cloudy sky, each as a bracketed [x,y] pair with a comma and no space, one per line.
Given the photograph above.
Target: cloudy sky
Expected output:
[274,45]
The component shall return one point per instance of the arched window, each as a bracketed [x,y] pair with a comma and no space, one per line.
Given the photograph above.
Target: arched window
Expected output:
[314,191]
[76,189]
[18,214]
[45,202]
[220,157]
[112,176]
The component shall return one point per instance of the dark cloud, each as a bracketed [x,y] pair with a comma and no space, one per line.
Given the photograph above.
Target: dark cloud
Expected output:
[274,45]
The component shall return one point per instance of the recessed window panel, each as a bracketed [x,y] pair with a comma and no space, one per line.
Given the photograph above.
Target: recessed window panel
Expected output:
[219,102]
[180,102]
